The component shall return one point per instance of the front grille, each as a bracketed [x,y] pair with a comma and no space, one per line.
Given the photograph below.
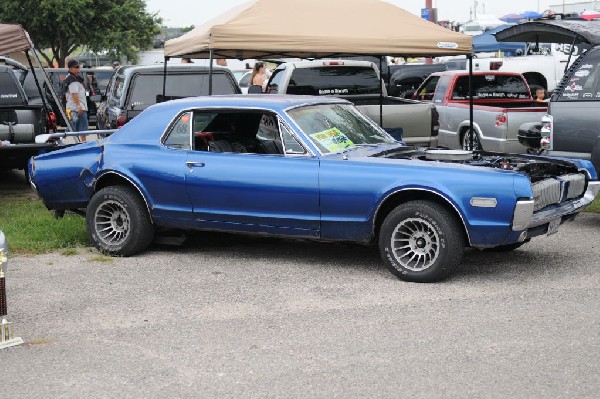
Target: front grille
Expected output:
[555,190]
[545,192]
[575,186]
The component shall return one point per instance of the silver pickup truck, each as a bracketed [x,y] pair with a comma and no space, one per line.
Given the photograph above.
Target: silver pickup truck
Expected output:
[414,122]
[502,103]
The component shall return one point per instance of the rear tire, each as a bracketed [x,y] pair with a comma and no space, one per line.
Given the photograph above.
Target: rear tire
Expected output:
[118,222]
[421,241]
[466,141]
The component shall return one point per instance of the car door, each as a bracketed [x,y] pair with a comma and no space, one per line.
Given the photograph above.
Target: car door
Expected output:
[252,191]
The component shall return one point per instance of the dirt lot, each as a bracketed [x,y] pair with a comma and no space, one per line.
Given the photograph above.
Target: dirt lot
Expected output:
[233,316]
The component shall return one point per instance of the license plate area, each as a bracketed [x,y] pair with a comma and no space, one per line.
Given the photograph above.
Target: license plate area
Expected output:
[553,226]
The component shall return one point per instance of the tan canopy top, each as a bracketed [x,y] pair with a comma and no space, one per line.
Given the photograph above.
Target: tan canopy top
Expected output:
[317,29]
[13,38]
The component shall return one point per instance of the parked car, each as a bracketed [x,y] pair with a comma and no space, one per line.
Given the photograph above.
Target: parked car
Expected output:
[243,77]
[132,89]
[570,129]
[408,77]
[306,167]
[502,103]
[21,121]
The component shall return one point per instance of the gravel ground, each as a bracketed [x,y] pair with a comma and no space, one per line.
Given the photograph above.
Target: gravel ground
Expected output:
[233,316]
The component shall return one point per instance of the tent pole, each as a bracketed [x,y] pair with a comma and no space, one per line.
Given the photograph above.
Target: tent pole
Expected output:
[165,77]
[52,91]
[471,131]
[570,54]
[380,92]
[210,72]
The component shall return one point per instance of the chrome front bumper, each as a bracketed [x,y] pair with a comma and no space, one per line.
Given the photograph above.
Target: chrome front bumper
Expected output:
[524,218]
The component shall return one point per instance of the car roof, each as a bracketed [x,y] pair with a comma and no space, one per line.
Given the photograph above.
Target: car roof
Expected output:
[274,101]
[159,68]
[475,73]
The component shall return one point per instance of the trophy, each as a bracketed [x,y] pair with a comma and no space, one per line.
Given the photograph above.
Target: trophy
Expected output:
[6,340]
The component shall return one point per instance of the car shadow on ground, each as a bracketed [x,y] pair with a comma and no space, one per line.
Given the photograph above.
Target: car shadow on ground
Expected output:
[523,263]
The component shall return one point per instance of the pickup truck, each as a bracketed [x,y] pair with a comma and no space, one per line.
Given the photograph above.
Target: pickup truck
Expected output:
[571,128]
[20,122]
[501,103]
[132,89]
[413,122]
[543,64]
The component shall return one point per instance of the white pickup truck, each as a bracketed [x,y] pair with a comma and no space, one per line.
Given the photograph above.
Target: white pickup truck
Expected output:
[414,122]
[542,65]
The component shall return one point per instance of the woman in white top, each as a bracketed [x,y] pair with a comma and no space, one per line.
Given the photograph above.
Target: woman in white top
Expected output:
[259,77]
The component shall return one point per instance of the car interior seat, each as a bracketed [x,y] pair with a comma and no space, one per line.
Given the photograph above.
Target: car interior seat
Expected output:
[267,135]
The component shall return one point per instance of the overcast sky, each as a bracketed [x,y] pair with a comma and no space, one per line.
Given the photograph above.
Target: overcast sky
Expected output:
[195,12]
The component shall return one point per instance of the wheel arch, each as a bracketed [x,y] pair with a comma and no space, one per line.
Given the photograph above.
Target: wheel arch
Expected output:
[403,196]
[113,178]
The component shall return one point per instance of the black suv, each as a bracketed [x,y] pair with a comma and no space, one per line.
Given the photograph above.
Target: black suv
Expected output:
[132,89]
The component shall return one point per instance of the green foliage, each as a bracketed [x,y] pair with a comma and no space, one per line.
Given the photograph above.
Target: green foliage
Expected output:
[31,228]
[121,27]
[594,206]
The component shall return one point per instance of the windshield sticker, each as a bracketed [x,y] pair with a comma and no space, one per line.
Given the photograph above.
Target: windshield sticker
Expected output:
[324,92]
[571,96]
[587,95]
[582,73]
[574,87]
[587,66]
[333,139]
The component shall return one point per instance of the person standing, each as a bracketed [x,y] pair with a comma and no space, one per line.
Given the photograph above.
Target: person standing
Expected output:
[259,77]
[76,99]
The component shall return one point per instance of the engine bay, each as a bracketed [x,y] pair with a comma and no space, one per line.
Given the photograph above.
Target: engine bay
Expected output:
[536,167]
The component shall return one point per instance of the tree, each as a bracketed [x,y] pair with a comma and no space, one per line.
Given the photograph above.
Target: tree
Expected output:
[121,27]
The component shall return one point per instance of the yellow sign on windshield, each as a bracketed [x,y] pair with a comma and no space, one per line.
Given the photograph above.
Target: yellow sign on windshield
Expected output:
[333,139]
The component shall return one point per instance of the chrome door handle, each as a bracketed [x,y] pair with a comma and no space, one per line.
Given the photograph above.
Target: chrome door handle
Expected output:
[192,164]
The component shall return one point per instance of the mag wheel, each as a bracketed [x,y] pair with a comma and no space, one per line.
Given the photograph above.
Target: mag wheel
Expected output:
[118,222]
[421,241]
[466,144]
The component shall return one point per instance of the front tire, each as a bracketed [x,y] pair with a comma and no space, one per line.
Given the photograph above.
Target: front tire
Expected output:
[421,241]
[118,222]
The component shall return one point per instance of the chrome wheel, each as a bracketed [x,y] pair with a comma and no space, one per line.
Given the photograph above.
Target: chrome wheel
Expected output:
[467,141]
[112,222]
[415,244]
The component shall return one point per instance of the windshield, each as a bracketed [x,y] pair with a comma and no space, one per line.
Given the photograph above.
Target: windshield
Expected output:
[337,127]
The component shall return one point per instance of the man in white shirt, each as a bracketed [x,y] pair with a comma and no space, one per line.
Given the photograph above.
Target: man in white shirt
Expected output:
[76,99]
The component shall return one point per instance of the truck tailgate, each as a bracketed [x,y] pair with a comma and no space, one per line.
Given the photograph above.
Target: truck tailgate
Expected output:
[414,119]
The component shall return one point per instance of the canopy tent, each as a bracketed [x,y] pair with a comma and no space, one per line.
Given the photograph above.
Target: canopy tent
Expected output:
[487,42]
[14,40]
[553,31]
[317,29]
[511,18]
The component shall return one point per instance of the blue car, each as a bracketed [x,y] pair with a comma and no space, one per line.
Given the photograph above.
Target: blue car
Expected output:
[306,167]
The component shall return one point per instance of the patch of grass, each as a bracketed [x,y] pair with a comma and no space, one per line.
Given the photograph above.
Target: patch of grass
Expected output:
[594,206]
[32,229]
[69,252]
